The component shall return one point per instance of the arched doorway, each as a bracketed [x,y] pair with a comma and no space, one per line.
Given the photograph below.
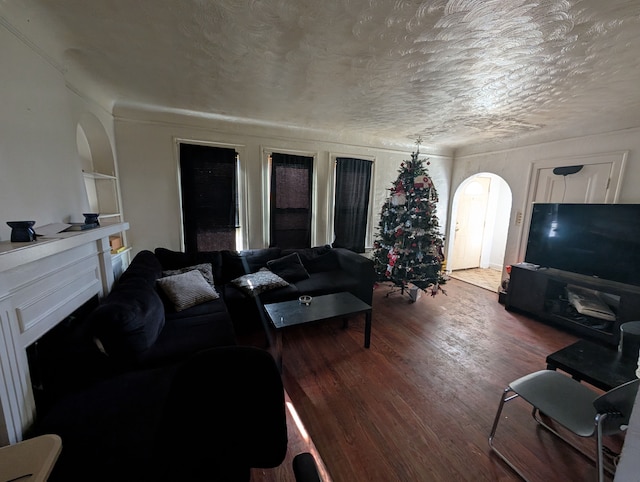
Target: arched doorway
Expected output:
[478,234]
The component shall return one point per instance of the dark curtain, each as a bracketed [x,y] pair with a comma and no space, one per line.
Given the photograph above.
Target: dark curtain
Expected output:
[353,181]
[291,188]
[209,197]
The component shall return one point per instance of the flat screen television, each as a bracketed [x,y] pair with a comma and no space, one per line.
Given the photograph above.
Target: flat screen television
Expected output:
[600,240]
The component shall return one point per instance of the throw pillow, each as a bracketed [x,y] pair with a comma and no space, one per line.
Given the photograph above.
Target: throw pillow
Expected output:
[255,283]
[289,268]
[187,289]
[204,268]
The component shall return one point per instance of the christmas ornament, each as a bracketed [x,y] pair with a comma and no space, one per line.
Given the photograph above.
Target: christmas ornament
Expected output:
[399,199]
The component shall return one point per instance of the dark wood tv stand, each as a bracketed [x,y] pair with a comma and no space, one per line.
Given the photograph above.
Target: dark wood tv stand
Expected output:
[541,292]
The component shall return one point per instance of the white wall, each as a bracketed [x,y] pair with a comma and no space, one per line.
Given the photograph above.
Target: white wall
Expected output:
[501,226]
[41,179]
[496,224]
[148,165]
[40,174]
[41,170]
[513,166]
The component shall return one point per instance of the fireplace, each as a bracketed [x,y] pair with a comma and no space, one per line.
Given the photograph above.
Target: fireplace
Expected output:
[41,283]
[53,359]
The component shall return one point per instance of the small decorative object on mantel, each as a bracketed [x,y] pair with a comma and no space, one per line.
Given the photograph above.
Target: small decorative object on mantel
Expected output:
[22,231]
[91,219]
[90,222]
[408,251]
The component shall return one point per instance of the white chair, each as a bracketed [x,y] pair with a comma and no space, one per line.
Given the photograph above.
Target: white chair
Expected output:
[573,405]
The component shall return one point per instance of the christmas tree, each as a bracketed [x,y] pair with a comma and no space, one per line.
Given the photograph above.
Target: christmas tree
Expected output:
[409,248]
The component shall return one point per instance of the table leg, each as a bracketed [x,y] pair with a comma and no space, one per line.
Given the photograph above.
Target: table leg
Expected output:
[274,346]
[278,349]
[367,329]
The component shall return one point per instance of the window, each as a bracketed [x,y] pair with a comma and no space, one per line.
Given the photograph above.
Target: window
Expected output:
[353,183]
[209,180]
[290,203]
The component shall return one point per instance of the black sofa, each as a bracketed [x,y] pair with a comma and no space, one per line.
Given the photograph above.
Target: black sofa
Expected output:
[134,327]
[313,271]
[138,325]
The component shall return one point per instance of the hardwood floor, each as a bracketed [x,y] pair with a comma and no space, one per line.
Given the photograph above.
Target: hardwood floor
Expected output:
[419,404]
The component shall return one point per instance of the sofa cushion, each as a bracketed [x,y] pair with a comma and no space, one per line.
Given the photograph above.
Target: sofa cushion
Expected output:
[280,294]
[170,259]
[186,332]
[236,299]
[204,268]
[322,263]
[327,282]
[129,321]
[289,268]
[308,253]
[143,267]
[253,284]
[187,289]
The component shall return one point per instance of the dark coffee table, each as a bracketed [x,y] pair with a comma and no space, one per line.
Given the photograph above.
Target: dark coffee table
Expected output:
[601,366]
[290,313]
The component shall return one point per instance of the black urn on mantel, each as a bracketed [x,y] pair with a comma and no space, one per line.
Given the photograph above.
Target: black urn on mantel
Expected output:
[22,231]
[91,219]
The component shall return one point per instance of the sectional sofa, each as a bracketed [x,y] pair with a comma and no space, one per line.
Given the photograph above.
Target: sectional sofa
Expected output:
[313,271]
[168,305]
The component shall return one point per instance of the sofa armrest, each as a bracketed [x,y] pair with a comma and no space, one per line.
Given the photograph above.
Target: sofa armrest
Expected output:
[359,267]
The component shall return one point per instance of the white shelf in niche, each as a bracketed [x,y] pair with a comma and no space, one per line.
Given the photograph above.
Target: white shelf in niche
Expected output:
[109,217]
[98,175]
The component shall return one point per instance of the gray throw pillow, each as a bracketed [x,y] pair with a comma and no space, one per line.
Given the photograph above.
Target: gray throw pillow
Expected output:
[187,289]
[255,283]
[204,268]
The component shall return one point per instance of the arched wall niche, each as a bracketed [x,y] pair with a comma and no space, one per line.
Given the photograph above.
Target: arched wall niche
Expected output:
[94,146]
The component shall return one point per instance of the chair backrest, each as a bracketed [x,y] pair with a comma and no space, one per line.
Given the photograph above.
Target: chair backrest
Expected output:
[225,413]
[618,402]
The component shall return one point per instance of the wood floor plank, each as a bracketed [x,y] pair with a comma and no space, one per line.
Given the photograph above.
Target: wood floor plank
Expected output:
[419,404]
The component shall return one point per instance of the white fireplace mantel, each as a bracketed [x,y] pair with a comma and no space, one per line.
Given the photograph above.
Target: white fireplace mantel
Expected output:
[41,283]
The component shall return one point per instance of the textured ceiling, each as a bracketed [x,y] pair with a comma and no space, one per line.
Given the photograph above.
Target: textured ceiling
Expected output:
[454,72]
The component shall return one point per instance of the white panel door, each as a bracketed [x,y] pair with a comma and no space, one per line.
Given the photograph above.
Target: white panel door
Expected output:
[470,222]
[589,185]
[599,181]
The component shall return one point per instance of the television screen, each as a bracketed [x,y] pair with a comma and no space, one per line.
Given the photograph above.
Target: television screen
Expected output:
[600,240]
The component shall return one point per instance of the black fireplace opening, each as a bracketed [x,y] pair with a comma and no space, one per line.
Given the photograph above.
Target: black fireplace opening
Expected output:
[58,361]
